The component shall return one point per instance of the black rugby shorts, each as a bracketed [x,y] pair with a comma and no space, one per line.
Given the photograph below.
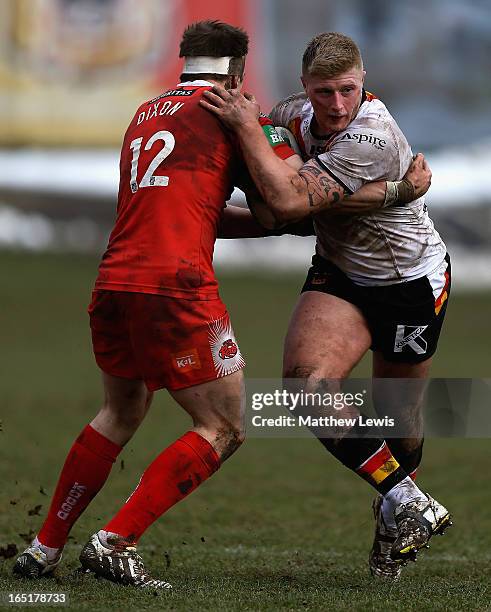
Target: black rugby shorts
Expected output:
[404,319]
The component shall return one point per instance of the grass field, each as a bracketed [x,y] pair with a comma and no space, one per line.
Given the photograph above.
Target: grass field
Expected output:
[282,526]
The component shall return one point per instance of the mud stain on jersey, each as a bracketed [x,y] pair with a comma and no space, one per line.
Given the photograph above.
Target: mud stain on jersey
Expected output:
[188,274]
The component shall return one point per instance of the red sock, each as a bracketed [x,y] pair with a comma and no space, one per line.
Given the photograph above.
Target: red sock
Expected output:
[86,469]
[173,475]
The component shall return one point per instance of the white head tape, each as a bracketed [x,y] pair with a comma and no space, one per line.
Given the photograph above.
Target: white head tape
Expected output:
[206,65]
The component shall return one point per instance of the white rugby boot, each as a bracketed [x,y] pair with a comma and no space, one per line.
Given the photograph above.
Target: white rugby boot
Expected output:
[417,521]
[34,562]
[120,563]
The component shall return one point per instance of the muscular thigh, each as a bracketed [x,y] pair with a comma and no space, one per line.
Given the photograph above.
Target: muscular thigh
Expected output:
[326,334]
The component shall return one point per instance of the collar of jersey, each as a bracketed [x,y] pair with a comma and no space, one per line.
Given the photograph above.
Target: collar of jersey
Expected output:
[197,83]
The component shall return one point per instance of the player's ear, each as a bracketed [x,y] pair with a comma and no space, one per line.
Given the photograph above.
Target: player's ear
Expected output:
[236,81]
[363,75]
[303,82]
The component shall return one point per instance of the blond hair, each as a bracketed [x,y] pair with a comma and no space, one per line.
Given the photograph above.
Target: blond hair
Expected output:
[330,54]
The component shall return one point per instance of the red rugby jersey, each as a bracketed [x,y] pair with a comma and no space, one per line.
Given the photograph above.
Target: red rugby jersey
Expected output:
[177,169]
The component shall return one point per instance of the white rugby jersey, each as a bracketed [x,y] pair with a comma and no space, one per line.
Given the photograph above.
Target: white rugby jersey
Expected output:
[383,247]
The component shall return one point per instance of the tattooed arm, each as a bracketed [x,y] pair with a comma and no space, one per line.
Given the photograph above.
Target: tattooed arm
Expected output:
[322,190]
[289,194]
[325,193]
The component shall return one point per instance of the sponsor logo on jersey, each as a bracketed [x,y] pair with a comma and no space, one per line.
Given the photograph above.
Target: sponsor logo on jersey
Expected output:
[272,135]
[67,506]
[378,143]
[187,360]
[224,349]
[406,337]
[173,93]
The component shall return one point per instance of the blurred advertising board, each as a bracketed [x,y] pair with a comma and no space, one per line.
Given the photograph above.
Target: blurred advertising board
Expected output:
[72,72]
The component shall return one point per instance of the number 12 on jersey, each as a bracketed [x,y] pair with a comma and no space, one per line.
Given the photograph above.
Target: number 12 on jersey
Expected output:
[149,180]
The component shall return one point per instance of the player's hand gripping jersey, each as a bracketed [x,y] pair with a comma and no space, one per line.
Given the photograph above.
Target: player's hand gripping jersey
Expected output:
[384,247]
[178,167]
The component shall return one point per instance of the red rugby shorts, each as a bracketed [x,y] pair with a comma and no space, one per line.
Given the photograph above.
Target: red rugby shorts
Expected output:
[166,342]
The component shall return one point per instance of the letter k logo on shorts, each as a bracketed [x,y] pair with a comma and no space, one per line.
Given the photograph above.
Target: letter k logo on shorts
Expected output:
[412,339]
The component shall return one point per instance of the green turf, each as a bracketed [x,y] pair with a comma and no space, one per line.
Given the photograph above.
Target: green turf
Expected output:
[282,526]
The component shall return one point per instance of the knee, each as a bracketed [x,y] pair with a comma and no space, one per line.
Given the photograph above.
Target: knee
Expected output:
[312,378]
[227,439]
[131,421]
[325,369]
[306,375]
[297,372]
[128,415]
[120,421]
